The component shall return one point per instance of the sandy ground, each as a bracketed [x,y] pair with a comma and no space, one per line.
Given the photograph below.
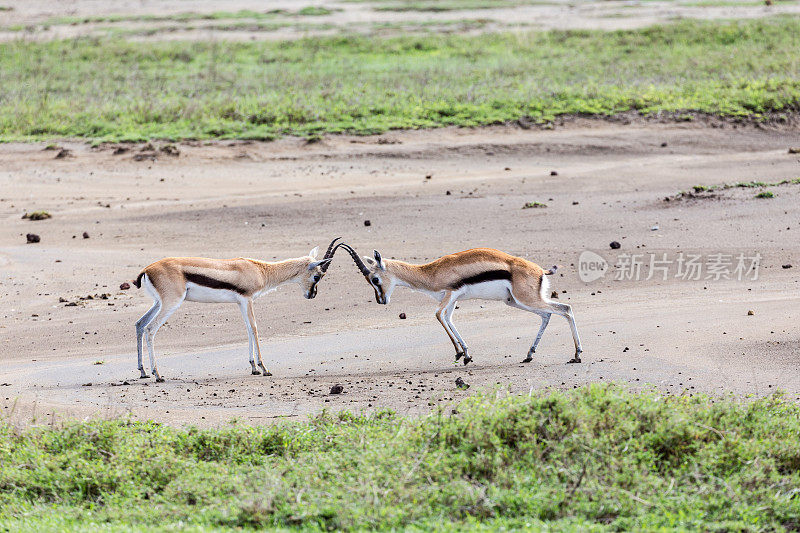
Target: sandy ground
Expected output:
[36,17]
[280,199]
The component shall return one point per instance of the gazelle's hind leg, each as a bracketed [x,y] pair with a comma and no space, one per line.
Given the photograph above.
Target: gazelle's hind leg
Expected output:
[565,310]
[529,299]
[545,321]
[141,325]
[167,308]
[440,313]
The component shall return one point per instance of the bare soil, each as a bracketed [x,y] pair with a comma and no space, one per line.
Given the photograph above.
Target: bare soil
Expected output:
[280,199]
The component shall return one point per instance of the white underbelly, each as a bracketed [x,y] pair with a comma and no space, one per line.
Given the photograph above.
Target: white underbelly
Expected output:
[488,290]
[199,293]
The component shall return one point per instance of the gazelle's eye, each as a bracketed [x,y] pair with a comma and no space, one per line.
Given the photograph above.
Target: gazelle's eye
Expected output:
[375,281]
[316,278]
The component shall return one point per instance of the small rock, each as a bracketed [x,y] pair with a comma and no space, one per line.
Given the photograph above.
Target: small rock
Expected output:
[507,168]
[402,316]
[124,286]
[32,238]
[751,312]
[63,153]
[794,150]
[337,389]
[654,228]
[461,384]
[367,223]
[170,149]
[125,383]
[448,193]
[119,150]
[428,176]
[553,173]
[87,384]
[71,304]
[615,245]
[786,266]
[625,350]
[85,234]
[575,202]
[664,145]
[62,300]
[554,294]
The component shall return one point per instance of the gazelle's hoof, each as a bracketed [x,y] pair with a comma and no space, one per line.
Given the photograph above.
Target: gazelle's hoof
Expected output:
[266,373]
[467,359]
[575,359]
[527,359]
[144,376]
[159,379]
[256,372]
[458,355]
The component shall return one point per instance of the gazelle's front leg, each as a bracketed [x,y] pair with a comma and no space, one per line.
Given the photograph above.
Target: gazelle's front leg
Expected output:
[440,317]
[243,307]
[141,327]
[447,315]
[251,320]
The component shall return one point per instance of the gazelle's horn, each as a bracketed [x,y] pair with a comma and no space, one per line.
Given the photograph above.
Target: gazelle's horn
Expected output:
[330,248]
[329,255]
[359,263]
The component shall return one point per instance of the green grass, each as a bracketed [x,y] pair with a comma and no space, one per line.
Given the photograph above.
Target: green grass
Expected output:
[707,190]
[597,458]
[448,5]
[106,88]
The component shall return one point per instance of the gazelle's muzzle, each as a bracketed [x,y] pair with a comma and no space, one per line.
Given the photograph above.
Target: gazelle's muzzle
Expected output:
[380,296]
[312,292]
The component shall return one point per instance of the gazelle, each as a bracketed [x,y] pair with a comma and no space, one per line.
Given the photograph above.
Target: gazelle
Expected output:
[479,273]
[172,280]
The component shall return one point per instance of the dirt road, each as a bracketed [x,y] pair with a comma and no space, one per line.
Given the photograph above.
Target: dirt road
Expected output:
[601,182]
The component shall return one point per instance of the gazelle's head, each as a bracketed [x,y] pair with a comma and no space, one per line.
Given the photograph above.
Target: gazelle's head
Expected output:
[315,270]
[375,271]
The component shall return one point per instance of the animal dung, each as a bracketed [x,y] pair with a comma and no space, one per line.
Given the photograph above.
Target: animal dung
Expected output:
[615,245]
[461,384]
[786,266]
[402,316]
[367,223]
[32,238]
[124,286]
[337,389]
[751,312]
[554,294]
[85,234]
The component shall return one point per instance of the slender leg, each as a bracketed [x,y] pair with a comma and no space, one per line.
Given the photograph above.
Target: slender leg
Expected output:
[243,307]
[448,313]
[141,325]
[153,328]
[252,320]
[439,316]
[565,310]
[545,321]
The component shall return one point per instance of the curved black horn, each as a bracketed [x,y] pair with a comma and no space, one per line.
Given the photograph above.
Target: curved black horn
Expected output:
[330,248]
[359,263]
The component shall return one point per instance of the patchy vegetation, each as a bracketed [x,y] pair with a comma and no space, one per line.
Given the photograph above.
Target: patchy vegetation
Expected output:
[707,191]
[37,215]
[112,89]
[534,205]
[597,457]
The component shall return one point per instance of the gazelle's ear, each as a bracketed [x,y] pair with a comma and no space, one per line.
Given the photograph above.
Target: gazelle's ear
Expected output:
[322,263]
[313,253]
[378,259]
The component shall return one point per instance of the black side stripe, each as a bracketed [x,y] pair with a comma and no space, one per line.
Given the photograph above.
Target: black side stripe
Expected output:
[212,283]
[489,275]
